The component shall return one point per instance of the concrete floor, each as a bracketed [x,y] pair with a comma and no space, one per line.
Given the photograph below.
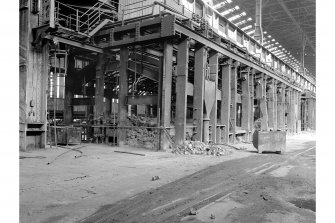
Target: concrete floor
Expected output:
[70,188]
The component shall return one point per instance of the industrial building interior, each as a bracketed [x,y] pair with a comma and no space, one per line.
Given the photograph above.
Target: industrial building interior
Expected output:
[105,84]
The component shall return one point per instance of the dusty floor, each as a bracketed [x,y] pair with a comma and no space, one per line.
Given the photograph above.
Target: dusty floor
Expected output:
[102,186]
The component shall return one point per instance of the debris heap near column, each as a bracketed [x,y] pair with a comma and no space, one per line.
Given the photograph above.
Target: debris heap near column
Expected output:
[201,148]
[143,136]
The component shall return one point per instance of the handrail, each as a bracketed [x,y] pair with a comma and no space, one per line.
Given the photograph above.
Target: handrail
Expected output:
[90,8]
[59,3]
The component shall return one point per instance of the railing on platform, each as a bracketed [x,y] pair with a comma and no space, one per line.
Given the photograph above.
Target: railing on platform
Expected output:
[141,8]
[75,18]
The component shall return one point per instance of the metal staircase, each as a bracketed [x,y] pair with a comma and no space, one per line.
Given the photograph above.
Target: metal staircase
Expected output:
[82,21]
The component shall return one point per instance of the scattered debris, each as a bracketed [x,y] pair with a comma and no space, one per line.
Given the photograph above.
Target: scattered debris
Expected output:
[201,148]
[139,154]
[193,212]
[155,178]
[69,150]
[91,192]
[77,178]
[265,197]
[212,216]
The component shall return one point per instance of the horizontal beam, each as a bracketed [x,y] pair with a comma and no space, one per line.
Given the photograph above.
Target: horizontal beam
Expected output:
[193,35]
[142,100]
[83,101]
[74,43]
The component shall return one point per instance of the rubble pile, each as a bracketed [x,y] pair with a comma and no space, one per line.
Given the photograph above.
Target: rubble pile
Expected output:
[141,121]
[200,148]
[142,137]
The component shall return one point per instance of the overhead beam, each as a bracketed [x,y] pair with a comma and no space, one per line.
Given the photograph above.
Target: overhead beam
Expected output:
[75,43]
[220,49]
[142,100]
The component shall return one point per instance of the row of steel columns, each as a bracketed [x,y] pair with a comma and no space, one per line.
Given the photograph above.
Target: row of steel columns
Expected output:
[279,104]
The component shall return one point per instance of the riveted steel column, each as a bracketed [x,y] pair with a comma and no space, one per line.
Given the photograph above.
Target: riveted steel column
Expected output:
[99,87]
[123,92]
[252,96]
[181,101]
[270,103]
[166,92]
[200,61]
[246,101]
[233,85]
[288,109]
[263,104]
[281,107]
[299,121]
[213,64]
[226,99]
[275,106]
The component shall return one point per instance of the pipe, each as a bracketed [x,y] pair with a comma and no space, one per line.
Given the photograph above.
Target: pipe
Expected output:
[258,26]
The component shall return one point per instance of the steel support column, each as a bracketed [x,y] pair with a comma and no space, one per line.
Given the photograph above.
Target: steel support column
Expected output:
[288,109]
[246,101]
[275,106]
[166,92]
[181,101]
[252,96]
[99,87]
[233,85]
[299,112]
[213,64]
[123,92]
[311,113]
[226,100]
[295,111]
[270,103]
[280,106]
[200,61]
[263,104]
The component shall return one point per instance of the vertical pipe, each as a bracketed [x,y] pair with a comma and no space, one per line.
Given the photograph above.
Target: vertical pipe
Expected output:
[77,20]
[258,26]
